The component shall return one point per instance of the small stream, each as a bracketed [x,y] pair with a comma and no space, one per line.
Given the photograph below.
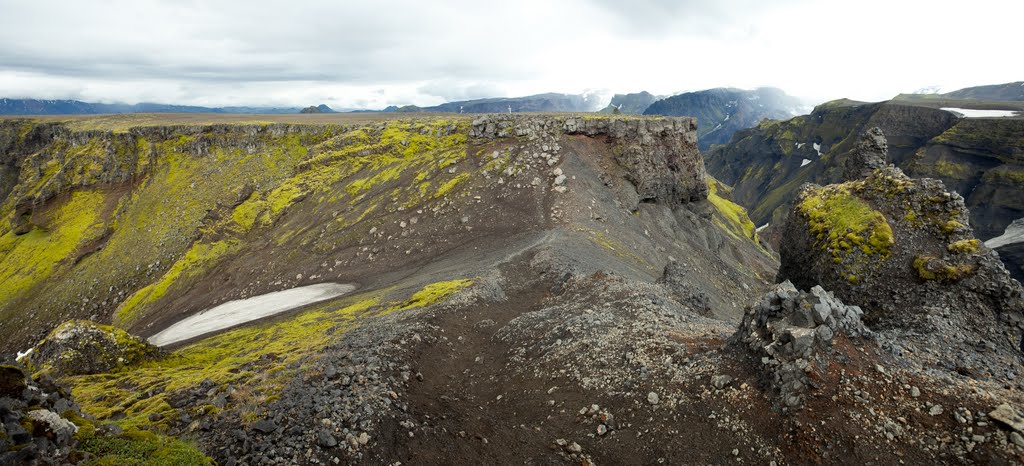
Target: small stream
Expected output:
[240,311]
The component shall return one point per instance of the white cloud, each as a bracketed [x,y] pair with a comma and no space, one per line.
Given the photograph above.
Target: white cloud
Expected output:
[375,53]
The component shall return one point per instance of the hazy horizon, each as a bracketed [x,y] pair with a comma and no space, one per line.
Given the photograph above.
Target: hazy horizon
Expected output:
[368,55]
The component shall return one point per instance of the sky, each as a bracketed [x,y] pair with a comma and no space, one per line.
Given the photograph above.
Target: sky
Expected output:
[370,54]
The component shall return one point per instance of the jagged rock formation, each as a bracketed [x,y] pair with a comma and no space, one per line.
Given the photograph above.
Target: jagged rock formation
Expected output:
[659,155]
[81,347]
[722,112]
[868,155]
[979,158]
[790,333]
[903,250]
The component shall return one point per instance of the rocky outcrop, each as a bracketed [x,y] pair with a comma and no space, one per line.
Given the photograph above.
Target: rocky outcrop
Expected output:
[659,155]
[869,154]
[83,347]
[789,333]
[903,250]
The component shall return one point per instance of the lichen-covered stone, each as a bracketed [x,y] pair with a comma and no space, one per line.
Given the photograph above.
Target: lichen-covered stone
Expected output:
[82,347]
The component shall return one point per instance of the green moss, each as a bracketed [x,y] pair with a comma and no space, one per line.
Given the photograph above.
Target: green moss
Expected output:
[136,447]
[954,170]
[952,226]
[933,268]
[967,246]
[432,294]
[834,215]
[258,360]
[199,257]
[739,224]
[448,186]
[28,260]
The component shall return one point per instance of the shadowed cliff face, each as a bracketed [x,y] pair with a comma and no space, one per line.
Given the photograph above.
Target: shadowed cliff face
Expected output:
[145,226]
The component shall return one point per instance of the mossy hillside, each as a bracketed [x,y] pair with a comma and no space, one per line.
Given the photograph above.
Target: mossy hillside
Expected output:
[136,447]
[1001,138]
[30,259]
[188,172]
[160,203]
[345,170]
[733,218]
[256,360]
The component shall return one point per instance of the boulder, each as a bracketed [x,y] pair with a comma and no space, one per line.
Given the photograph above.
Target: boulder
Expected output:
[12,381]
[83,347]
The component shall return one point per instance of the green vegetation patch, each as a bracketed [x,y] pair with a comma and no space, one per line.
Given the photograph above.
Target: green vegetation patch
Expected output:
[737,223]
[967,246]
[139,448]
[28,260]
[840,221]
[933,268]
[258,360]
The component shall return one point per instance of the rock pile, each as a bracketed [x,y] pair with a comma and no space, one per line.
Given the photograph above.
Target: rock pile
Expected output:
[790,331]
[33,429]
[82,347]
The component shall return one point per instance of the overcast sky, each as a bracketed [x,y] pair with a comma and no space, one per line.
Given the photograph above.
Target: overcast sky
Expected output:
[369,54]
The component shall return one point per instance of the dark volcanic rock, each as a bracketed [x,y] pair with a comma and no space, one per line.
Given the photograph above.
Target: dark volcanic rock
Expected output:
[676,280]
[786,332]
[83,347]
[12,381]
[869,154]
[903,250]
[659,155]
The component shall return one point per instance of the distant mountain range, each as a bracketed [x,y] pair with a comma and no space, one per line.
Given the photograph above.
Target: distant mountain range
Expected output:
[1002,92]
[77,107]
[723,111]
[633,104]
[550,102]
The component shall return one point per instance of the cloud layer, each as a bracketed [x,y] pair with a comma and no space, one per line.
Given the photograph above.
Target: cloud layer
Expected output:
[369,54]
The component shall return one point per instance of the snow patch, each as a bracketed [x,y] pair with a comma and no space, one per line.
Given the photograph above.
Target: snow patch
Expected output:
[762,227]
[973,113]
[1014,234]
[800,145]
[805,162]
[22,354]
[240,311]
[817,148]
